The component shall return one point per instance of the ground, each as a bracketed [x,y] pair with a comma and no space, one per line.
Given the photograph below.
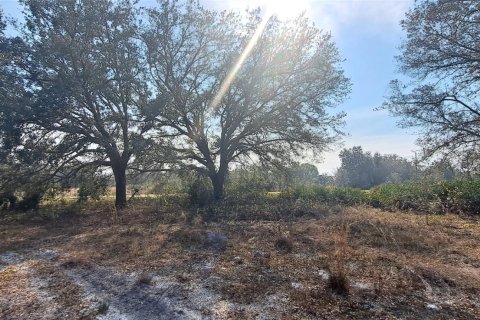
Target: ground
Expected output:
[340,263]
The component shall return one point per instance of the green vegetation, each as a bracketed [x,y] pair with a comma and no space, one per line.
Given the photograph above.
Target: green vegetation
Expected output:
[458,196]
[429,196]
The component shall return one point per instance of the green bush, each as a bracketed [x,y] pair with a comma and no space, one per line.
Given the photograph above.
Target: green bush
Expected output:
[458,196]
[91,184]
[246,189]
[200,192]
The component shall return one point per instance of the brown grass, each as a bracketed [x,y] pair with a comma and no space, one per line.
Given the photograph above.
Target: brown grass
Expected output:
[338,279]
[391,264]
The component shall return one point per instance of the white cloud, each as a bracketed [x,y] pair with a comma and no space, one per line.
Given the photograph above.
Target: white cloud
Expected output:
[378,16]
[371,16]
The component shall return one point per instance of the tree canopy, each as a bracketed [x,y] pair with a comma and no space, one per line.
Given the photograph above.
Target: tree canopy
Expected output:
[441,55]
[361,169]
[276,105]
[85,73]
[107,84]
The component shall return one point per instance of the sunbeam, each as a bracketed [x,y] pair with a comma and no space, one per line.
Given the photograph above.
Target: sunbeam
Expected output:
[233,72]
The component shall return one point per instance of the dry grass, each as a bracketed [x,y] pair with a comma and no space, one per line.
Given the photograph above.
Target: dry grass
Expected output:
[391,264]
[22,287]
[338,279]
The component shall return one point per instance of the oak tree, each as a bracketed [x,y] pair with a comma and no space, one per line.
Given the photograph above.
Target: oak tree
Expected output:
[86,75]
[274,105]
[441,54]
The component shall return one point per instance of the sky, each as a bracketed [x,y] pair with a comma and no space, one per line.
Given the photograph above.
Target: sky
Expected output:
[367,34]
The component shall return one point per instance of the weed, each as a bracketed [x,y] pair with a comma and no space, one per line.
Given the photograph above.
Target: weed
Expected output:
[338,280]
[284,244]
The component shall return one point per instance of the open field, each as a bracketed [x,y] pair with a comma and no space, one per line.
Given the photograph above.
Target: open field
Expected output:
[168,263]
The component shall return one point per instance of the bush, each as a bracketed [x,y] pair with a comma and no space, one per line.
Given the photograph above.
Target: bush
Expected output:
[200,192]
[457,196]
[30,201]
[246,189]
[91,184]
[7,200]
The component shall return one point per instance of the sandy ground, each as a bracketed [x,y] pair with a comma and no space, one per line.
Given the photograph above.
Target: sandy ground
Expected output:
[107,294]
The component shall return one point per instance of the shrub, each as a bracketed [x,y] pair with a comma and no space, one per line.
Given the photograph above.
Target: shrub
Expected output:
[339,283]
[200,192]
[458,196]
[91,184]
[245,189]
[30,201]
[7,200]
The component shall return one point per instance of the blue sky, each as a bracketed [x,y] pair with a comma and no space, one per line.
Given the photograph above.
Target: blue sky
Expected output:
[368,34]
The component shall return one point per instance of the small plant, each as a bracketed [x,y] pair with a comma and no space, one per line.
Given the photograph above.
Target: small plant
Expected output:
[200,192]
[284,244]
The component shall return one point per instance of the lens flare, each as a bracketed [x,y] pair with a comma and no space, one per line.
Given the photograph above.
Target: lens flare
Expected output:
[282,9]
[238,64]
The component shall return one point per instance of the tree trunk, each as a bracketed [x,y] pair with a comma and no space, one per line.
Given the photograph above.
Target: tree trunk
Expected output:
[119,171]
[218,182]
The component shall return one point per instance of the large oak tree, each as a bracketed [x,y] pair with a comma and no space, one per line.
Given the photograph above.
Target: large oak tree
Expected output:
[276,106]
[86,74]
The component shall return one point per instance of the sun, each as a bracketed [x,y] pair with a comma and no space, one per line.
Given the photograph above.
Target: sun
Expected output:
[286,9]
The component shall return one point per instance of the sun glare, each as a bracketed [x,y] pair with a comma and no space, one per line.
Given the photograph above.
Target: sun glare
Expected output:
[286,9]
[282,9]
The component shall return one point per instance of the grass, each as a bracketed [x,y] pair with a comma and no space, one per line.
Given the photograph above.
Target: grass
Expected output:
[391,264]
[338,279]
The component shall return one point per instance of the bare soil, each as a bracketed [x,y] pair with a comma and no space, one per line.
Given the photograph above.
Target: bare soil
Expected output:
[95,265]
